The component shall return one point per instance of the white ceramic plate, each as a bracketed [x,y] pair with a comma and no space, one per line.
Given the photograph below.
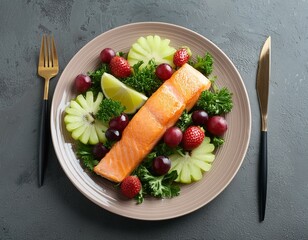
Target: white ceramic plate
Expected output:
[193,196]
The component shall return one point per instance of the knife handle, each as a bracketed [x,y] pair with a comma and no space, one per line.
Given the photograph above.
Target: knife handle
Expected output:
[263,174]
[43,143]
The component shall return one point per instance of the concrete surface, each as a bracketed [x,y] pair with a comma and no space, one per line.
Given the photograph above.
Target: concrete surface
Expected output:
[239,28]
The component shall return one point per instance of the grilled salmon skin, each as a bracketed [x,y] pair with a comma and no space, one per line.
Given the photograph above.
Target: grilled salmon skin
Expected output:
[161,111]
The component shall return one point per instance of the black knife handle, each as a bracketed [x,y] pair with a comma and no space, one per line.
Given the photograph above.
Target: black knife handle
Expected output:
[263,174]
[43,143]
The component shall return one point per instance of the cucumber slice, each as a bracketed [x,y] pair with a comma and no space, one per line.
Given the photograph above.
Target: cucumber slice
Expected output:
[191,166]
[151,48]
[80,119]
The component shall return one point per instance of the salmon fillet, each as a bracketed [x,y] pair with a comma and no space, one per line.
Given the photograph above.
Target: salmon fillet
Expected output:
[161,111]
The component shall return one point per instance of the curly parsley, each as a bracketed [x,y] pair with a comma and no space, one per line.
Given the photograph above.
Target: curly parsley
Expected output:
[203,64]
[84,153]
[144,80]
[109,109]
[157,186]
[215,103]
[218,141]
[96,78]
[184,121]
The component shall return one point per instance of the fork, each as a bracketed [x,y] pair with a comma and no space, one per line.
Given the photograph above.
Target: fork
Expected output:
[48,67]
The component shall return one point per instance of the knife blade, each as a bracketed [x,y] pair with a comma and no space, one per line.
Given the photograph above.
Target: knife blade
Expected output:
[263,78]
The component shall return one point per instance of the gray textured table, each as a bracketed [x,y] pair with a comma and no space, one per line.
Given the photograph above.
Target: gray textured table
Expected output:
[239,27]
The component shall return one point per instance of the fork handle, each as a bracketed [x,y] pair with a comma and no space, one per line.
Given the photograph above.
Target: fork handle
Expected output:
[263,174]
[43,143]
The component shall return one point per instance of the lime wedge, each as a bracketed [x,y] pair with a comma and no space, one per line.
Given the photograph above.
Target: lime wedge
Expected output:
[116,90]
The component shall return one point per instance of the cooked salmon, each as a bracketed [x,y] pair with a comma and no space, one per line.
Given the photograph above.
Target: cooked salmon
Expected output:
[149,124]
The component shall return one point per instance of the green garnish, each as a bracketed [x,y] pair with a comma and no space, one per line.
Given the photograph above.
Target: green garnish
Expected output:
[160,149]
[184,121]
[215,102]
[108,144]
[96,78]
[84,153]
[140,197]
[144,80]
[157,186]
[109,109]
[218,141]
[203,64]
[122,54]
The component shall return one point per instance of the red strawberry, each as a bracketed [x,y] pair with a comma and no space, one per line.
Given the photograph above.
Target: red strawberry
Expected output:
[192,137]
[119,67]
[130,186]
[181,57]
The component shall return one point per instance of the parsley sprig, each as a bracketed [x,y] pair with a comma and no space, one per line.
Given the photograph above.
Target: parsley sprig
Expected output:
[203,64]
[96,77]
[109,109]
[157,186]
[215,102]
[144,80]
[184,121]
[84,153]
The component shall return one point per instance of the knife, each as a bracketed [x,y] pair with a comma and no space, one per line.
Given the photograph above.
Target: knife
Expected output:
[263,78]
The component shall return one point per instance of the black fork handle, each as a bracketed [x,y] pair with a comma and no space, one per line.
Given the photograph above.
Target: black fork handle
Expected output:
[43,143]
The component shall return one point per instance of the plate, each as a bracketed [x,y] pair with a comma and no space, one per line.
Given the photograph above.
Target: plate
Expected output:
[193,196]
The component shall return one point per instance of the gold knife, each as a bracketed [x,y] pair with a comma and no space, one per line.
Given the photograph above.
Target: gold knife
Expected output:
[263,78]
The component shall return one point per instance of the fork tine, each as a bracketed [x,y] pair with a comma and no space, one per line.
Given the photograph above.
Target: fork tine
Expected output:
[45,51]
[42,50]
[54,53]
[49,51]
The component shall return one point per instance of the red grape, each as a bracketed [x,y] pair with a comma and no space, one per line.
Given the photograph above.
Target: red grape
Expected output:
[99,151]
[217,125]
[161,165]
[173,136]
[199,117]
[164,71]
[113,134]
[106,55]
[119,122]
[82,83]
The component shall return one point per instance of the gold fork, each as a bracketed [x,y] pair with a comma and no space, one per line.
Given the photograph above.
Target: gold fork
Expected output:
[48,67]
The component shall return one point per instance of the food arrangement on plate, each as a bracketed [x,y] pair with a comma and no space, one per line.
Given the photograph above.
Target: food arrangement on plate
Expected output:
[150,119]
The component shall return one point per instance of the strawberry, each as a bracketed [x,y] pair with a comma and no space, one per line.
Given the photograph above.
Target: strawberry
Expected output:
[192,138]
[181,57]
[119,67]
[130,186]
